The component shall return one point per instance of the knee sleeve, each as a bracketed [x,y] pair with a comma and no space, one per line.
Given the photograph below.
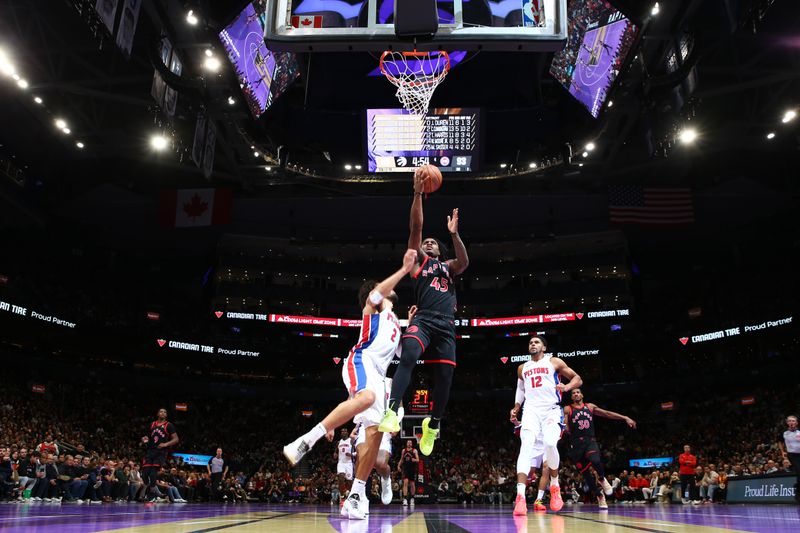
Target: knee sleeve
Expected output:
[412,351]
[527,441]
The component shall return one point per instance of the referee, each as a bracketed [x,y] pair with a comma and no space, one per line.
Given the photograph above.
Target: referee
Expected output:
[217,470]
[790,447]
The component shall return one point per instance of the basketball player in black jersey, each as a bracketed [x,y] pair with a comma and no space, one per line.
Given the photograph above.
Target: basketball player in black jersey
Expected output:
[432,329]
[162,436]
[409,462]
[583,449]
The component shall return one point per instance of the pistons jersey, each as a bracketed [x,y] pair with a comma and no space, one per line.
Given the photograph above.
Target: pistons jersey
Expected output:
[434,290]
[379,341]
[539,380]
[345,451]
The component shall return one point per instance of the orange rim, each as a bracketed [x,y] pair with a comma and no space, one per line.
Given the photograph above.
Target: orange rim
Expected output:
[445,70]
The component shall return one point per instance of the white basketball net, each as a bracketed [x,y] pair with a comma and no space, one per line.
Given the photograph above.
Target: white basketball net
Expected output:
[416,75]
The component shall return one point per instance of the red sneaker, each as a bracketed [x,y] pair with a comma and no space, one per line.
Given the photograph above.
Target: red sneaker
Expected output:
[556,503]
[520,508]
[538,506]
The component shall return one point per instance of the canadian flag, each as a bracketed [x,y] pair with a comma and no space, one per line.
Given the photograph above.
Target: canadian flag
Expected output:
[187,208]
[307,21]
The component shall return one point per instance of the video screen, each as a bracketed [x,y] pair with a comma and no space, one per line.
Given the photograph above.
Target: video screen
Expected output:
[262,74]
[650,462]
[600,40]
[398,141]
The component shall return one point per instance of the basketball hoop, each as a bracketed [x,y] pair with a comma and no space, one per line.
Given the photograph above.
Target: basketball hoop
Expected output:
[416,75]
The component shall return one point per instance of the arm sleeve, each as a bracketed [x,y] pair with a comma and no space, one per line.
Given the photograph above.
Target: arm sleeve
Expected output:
[519,397]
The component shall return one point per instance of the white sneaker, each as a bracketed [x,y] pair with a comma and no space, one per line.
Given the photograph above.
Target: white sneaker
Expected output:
[386,491]
[366,506]
[294,451]
[602,503]
[405,502]
[607,490]
[353,508]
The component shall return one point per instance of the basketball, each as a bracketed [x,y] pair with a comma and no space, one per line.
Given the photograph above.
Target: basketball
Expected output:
[434,176]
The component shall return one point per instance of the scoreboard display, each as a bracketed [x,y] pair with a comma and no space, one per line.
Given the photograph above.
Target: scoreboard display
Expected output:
[398,141]
[421,404]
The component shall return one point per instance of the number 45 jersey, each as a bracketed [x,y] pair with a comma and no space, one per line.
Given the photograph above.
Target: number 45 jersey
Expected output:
[434,290]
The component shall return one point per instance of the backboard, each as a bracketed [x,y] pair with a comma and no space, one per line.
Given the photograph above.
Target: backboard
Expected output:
[367,25]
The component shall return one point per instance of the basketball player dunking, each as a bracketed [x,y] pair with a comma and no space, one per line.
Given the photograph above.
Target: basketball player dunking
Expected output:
[433,327]
[583,449]
[539,387]
[363,375]
[162,436]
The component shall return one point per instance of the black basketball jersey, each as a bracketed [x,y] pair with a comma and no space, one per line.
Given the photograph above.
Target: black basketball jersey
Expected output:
[434,290]
[160,432]
[408,458]
[581,424]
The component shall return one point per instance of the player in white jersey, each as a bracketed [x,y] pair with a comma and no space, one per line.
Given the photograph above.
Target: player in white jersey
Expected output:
[344,461]
[537,463]
[539,387]
[363,374]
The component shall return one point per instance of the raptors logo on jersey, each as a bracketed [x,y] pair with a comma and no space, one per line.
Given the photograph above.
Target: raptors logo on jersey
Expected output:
[580,423]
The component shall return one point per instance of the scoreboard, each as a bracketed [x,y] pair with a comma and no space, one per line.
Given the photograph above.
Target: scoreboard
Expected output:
[446,137]
[421,404]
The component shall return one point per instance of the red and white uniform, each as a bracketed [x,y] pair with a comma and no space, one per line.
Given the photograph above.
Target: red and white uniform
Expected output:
[367,362]
[542,416]
[345,464]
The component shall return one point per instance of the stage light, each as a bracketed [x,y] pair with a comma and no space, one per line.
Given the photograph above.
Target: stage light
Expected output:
[191,18]
[23,84]
[770,135]
[348,167]
[159,142]
[789,116]
[655,9]
[80,145]
[687,136]
[231,100]
[38,100]
[532,165]
[61,123]
[590,147]
[503,165]
[211,63]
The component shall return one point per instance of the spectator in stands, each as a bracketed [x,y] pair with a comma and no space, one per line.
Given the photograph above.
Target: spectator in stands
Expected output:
[443,489]
[710,484]
[650,492]
[48,445]
[26,471]
[688,463]
[6,471]
[696,485]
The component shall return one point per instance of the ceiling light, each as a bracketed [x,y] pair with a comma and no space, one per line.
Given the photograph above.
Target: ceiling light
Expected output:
[209,52]
[503,165]
[268,169]
[590,147]
[61,123]
[611,103]
[231,100]
[23,84]
[191,18]
[687,136]
[532,165]
[211,63]
[67,130]
[580,164]
[348,167]
[771,135]
[5,64]
[358,167]
[256,154]
[655,9]
[38,100]
[158,142]
[789,116]
[80,145]
[585,154]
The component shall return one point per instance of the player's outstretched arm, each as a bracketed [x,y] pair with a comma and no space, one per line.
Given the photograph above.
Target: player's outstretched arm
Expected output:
[385,287]
[461,262]
[564,370]
[415,222]
[611,415]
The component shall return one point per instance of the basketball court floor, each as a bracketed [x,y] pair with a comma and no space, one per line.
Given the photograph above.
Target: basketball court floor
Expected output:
[201,518]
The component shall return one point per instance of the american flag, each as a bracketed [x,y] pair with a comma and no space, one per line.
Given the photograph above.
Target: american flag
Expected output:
[634,204]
